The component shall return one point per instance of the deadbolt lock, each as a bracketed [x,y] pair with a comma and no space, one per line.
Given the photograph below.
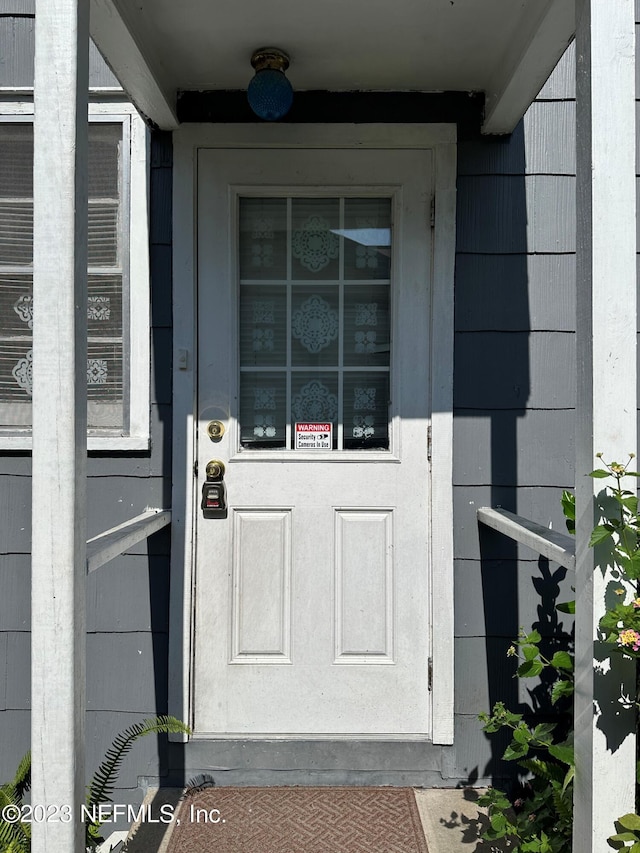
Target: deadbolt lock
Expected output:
[215,430]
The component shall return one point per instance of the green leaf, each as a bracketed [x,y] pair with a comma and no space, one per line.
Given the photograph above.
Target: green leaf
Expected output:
[522,734]
[609,621]
[630,821]
[628,541]
[498,822]
[571,772]
[562,660]
[104,778]
[530,669]
[561,688]
[22,779]
[567,607]
[631,504]
[532,639]
[530,652]
[562,752]
[543,730]
[599,534]
[599,474]
[613,842]
[568,501]
[532,846]
[494,798]
[515,751]
[547,770]
[632,566]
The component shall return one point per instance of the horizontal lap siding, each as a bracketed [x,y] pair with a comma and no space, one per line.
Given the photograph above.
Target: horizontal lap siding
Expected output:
[147,759]
[17,43]
[128,598]
[514,396]
[546,303]
[514,370]
[470,617]
[542,459]
[511,214]
[17,46]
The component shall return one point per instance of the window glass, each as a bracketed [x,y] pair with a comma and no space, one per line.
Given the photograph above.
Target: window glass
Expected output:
[315,344]
[107,298]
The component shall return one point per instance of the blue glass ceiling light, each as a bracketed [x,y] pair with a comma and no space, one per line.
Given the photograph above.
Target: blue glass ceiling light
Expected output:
[269,93]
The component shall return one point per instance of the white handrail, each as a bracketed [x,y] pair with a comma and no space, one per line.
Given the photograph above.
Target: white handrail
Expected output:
[550,543]
[113,542]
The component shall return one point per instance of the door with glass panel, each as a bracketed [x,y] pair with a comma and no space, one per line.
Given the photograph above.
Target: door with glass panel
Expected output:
[312,611]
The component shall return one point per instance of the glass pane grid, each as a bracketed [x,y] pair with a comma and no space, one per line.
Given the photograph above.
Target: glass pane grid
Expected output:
[315,340]
[106,303]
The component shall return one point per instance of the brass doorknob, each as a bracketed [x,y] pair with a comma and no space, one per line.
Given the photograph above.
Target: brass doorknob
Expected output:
[215,469]
[215,430]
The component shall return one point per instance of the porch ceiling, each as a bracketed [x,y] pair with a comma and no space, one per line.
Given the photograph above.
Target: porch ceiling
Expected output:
[504,48]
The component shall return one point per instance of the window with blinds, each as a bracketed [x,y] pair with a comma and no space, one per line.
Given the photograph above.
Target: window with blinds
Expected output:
[107,309]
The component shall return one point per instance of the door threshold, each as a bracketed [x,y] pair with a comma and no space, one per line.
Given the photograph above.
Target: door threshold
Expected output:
[307,736]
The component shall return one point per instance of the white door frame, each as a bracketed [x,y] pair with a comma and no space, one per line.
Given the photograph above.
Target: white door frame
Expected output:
[441,139]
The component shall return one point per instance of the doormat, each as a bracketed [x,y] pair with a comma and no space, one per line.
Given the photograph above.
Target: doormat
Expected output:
[298,820]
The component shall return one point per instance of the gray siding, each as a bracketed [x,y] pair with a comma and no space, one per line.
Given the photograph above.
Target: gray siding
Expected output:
[514,396]
[127,599]
[17,34]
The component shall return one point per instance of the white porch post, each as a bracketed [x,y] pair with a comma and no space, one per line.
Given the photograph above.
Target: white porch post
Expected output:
[606,402]
[59,420]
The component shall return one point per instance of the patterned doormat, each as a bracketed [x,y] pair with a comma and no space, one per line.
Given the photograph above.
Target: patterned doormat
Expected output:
[299,820]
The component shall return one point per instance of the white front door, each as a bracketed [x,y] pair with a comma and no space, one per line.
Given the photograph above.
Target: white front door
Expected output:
[312,613]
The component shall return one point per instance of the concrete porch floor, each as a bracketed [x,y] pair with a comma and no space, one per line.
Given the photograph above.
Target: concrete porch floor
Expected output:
[450,817]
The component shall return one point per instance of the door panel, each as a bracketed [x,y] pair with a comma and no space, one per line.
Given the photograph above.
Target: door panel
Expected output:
[312,595]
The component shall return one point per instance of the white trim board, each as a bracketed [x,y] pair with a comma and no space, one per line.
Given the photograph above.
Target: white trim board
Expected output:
[441,139]
[140,77]
[104,547]
[551,544]
[606,401]
[530,57]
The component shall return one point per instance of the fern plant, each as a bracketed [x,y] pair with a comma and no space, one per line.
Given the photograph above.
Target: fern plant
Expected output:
[15,836]
[104,779]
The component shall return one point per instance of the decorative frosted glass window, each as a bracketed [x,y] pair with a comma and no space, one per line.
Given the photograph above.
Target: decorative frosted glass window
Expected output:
[117,412]
[315,319]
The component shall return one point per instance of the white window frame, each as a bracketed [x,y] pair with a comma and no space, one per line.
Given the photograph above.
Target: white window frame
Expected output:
[137,378]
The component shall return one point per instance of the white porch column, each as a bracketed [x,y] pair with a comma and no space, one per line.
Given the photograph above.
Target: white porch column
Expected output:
[59,419]
[606,402]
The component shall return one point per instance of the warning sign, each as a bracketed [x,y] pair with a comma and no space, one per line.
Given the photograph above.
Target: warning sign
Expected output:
[314,436]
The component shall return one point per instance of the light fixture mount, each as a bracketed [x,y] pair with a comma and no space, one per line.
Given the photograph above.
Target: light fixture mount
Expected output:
[270,57]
